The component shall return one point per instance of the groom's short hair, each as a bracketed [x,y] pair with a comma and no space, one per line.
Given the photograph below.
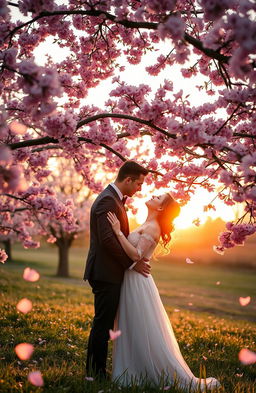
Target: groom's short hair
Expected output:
[131,169]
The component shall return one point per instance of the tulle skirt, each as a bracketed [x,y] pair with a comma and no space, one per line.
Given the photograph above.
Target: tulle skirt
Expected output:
[147,350]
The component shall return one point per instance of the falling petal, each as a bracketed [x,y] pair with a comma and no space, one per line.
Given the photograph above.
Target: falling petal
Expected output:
[196,221]
[24,351]
[31,275]
[176,310]
[217,282]
[35,377]
[24,305]
[114,334]
[89,378]
[188,260]
[167,387]
[190,304]
[205,358]
[17,128]
[239,375]
[246,356]
[244,300]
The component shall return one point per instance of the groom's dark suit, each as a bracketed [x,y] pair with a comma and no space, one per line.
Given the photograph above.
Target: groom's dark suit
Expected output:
[105,267]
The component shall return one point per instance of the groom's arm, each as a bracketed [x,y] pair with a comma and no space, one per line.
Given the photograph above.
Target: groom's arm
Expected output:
[105,232]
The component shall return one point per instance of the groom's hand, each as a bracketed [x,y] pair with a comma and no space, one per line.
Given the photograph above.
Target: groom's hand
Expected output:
[142,267]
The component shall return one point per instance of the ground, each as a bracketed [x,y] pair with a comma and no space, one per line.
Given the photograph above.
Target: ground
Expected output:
[202,303]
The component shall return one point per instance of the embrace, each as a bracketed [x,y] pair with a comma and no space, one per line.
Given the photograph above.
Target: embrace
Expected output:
[125,294]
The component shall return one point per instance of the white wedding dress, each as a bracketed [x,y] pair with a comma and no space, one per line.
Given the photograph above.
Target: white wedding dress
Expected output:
[147,350]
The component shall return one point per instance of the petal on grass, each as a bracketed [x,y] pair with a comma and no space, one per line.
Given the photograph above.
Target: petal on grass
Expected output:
[246,356]
[24,351]
[35,377]
[114,334]
[31,275]
[244,300]
[24,305]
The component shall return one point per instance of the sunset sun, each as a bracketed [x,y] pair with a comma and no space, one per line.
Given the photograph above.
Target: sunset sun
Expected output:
[191,214]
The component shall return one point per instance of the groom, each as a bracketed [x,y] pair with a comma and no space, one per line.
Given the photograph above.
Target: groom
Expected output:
[107,261]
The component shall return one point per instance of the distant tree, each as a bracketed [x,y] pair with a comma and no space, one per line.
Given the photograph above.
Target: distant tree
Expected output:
[70,190]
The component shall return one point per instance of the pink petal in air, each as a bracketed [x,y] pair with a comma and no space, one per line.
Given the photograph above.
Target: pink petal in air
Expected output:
[35,377]
[31,275]
[24,305]
[17,128]
[114,334]
[244,300]
[188,260]
[246,356]
[24,351]
[217,282]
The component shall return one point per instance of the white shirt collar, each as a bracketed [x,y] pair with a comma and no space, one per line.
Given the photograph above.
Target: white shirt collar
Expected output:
[117,190]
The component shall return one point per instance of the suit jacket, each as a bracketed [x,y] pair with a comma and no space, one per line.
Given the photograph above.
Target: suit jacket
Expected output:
[106,260]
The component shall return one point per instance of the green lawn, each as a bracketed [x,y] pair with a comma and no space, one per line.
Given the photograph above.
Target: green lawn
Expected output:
[210,332]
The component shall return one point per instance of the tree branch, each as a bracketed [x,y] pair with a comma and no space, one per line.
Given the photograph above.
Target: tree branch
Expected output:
[214,54]
[230,117]
[123,116]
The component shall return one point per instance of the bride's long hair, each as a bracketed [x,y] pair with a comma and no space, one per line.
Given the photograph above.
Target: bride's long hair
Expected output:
[171,210]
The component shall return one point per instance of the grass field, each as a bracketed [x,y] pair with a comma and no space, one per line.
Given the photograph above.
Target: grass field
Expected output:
[211,326]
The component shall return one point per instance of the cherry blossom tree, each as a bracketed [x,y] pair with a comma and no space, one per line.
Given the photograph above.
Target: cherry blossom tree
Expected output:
[210,145]
[70,190]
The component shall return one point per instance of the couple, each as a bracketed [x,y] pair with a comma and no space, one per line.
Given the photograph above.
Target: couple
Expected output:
[118,271]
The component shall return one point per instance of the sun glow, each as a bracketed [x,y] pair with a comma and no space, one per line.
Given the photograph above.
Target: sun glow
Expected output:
[194,210]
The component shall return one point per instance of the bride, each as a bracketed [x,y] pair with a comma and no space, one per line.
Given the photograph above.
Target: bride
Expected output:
[147,349]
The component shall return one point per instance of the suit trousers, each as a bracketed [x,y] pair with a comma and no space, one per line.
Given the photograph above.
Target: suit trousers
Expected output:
[106,300]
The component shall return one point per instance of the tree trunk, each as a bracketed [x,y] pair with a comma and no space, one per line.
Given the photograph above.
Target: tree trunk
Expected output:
[8,249]
[63,262]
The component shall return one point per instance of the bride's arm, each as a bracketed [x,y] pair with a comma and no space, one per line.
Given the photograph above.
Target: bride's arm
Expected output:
[129,249]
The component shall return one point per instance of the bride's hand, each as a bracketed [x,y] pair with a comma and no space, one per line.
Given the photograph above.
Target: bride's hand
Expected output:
[112,218]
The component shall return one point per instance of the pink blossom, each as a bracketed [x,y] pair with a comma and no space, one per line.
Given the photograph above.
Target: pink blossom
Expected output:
[244,301]
[215,9]
[36,6]
[24,305]
[3,256]
[30,275]
[4,10]
[51,239]
[226,178]
[24,351]
[247,357]
[9,57]
[5,155]
[174,26]
[17,127]
[35,378]
[114,334]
